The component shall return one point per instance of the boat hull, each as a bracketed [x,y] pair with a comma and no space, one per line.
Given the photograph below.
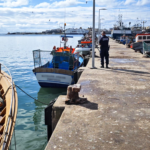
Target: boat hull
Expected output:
[55,78]
[83,51]
[52,85]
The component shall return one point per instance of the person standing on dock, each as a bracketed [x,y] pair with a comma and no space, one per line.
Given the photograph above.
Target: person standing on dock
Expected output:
[104,49]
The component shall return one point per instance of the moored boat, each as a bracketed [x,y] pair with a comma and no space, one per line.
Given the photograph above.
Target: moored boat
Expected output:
[139,39]
[83,49]
[73,31]
[8,109]
[120,30]
[85,45]
[55,69]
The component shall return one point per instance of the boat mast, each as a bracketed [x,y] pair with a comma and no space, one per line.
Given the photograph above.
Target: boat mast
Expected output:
[65,39]
[121,24]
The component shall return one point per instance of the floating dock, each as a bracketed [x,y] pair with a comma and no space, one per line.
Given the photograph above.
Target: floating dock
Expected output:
[117,115]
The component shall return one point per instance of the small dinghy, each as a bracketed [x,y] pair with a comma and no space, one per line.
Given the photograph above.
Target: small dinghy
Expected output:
[8,108]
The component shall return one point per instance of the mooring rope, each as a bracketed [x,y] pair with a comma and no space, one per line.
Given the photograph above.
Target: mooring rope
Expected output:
[25,93]
[30,95]
[15,139]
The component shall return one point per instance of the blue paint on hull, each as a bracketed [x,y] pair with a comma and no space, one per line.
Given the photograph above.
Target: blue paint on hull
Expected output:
[53,85]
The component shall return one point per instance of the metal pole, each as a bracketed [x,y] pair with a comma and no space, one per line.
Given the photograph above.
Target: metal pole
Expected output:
[98,24]
[93,35]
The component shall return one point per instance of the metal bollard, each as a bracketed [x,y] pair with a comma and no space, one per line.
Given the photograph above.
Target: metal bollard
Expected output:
[73,95]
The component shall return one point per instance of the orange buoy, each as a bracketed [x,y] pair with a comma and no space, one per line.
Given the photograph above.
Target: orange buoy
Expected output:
[86,42]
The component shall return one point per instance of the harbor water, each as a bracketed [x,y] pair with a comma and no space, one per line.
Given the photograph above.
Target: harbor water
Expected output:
[16,54]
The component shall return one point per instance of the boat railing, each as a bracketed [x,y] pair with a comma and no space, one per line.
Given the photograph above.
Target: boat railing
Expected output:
[41,58]
[10,120]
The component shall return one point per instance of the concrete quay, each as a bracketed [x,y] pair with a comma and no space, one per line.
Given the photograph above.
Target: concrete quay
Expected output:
[117,115]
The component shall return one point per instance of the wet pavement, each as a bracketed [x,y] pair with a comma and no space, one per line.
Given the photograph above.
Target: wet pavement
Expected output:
[117,114]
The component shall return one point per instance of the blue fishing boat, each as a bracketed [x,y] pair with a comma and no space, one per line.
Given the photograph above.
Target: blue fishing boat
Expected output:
[55,69]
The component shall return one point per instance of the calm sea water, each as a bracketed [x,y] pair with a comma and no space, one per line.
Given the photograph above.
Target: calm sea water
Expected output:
[16,54]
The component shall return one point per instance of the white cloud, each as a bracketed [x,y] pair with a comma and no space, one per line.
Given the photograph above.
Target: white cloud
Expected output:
[14,3]
[127,2]
[143,2]
[66,3]
[23,25]
[36,18]
[43,5]
[108,3]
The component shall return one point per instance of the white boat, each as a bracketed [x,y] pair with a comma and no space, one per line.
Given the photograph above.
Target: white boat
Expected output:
[139,39]
[142,37]
[120,29]
[136,29]
[83,50]
[76,31]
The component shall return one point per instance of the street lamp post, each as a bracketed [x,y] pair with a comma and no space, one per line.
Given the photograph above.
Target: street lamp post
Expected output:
[99,23]
[93,36]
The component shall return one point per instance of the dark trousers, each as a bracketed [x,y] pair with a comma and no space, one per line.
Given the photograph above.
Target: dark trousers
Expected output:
[104,53]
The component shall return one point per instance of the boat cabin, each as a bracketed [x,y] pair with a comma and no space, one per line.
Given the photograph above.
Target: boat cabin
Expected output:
[143,37]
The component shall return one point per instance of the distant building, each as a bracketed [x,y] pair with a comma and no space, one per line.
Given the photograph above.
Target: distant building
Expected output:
[53,31]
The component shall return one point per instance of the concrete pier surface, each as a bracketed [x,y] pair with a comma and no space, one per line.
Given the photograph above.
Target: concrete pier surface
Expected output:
[117,115]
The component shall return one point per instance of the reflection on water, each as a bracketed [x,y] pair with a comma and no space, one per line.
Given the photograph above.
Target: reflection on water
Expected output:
[45,95]
[48,94]
[16,54]
[31,132]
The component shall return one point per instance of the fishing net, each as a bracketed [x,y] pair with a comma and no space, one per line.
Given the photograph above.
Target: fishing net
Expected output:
[146,49]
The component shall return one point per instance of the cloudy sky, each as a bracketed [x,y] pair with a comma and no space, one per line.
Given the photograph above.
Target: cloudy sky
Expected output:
[40,15]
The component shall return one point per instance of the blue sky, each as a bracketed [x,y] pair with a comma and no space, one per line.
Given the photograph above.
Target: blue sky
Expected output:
[40,15]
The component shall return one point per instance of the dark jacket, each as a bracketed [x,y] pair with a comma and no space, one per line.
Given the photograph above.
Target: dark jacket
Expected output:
[104,42]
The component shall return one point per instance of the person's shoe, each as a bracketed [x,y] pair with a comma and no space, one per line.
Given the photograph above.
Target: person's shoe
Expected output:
[107,66]
[102,66]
